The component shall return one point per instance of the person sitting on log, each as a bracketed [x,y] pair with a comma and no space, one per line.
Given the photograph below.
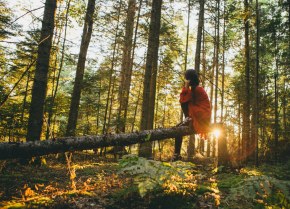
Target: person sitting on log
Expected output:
[195,106]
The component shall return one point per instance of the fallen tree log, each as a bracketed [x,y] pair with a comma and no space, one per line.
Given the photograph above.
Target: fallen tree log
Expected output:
[64,144]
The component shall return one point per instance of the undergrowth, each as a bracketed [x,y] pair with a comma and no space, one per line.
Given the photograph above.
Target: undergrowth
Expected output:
[136,182]
[255,188]
[168,184]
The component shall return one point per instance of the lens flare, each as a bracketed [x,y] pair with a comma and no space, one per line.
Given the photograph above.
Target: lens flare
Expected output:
[216,133]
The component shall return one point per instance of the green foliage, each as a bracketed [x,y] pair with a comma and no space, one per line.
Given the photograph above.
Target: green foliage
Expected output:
[229,180]
[176,177]
[5,20]
[261,190]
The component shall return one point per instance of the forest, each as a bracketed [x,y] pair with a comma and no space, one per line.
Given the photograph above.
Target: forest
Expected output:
[90,104]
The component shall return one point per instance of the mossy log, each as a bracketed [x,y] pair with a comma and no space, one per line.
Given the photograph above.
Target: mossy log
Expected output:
[64,144]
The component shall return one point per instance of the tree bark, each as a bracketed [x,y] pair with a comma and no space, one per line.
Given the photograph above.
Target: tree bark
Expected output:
[39,88]
[256,84]
[186,44]
[217,43]
[246,107]
[39,148]
[133,55]
[126,68]
[54,91]
[76,95]
[223,64]
[112,69]
[223,155]
[199,35]
[276,93]
[149,89]
[178,141]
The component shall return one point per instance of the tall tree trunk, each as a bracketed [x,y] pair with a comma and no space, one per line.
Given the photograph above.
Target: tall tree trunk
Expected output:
[276,126]
[186,44]
[256,85]
[25,98]
[111,100]
[211,98]
[240,149]
[246,107]
[285,99]
[136,109]
[39,88]
[199,35]
[133,55]
[76,95]
[217,42]
[55,53]
[126,68]
[54,93]
[191,144]
[112,69]
[178,142]
[149,89]
[203,59]
[223,64]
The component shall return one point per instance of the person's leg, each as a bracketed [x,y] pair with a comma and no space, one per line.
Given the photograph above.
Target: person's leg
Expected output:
[177,148]
[178,140]
[184,107]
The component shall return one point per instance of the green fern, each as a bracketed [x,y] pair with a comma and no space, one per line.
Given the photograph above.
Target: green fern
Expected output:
[152,175]
[261,189]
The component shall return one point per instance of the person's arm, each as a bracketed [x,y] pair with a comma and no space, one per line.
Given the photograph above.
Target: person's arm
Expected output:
[185,94]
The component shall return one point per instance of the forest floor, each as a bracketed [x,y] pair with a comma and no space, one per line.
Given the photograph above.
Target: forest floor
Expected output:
[137,183]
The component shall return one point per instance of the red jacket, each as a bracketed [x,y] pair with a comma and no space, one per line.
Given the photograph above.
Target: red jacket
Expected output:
[198,107]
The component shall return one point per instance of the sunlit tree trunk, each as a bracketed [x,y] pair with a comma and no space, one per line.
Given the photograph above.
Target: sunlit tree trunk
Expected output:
[52,75]
[110,113]
[217,43]
[276,127]
[203,59]
[223,64]
[240,149]
[285,100]
[157,105]
[149,89]
[191,142]
[178,141]
[126,67]
[98,108]
[199,35]
[246,106]
[76,95]
[203,83]
[211,100]
[133,54]
[186,43]
[262,119]
[284,103]
[25,98]
[112,69]
[54,90]
[136,109]
[256,85]
[191,145]
[39,89]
